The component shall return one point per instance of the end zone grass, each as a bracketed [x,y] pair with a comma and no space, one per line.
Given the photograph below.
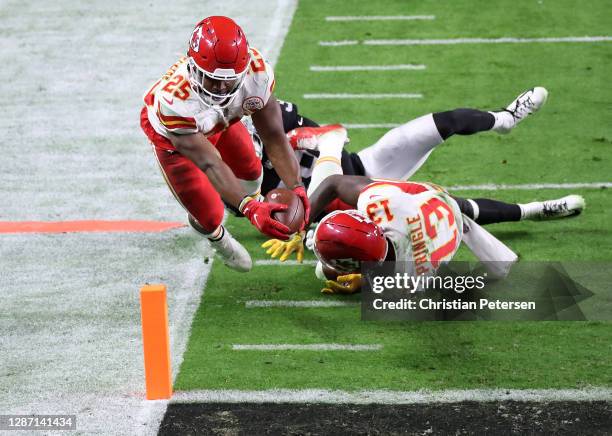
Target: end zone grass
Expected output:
[569,141]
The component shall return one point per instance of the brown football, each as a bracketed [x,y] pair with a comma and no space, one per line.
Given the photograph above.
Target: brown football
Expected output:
[293,217]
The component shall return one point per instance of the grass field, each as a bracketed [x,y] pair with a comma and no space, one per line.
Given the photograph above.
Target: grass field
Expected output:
[569,141]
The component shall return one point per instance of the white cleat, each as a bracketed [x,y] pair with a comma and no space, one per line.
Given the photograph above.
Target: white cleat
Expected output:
[524,105]
[567,206]
[233,254]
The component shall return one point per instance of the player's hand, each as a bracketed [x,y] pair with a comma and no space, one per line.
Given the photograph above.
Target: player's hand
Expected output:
[346,284]
[284,249]
[301,192]
[259,213]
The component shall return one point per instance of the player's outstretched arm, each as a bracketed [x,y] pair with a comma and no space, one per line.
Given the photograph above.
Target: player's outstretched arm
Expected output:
[346,188]
[201,152]
[269,125]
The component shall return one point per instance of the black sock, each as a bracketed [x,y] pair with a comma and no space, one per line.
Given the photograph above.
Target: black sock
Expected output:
[493,211]
[489,211]
[463,122]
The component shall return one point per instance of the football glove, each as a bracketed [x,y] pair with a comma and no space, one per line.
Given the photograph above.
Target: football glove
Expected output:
[259,213]
[300,191]
[284,249]
[346,284]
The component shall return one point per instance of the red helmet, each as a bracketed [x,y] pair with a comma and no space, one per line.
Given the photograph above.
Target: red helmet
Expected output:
[345,238]
[218,60]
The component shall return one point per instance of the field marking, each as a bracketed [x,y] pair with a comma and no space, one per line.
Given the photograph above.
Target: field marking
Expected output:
[530,186]
[371,126]
[299,303]
[455,41]
[268,262]
[338,43]
[80,226]
[343,96]
[380,18]
[307,347]
[322,68]
[391,397]
[506,40]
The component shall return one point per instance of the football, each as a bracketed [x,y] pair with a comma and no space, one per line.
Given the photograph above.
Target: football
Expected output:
[293,217]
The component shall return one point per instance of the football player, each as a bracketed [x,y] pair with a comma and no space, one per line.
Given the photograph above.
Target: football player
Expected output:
[400,152]
[393,221]
[191,116]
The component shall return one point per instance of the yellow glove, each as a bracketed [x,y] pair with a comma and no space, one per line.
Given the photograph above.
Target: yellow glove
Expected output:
[284,249]
[346,284]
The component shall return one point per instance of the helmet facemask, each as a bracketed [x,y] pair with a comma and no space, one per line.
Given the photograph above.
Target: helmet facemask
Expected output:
[199,77]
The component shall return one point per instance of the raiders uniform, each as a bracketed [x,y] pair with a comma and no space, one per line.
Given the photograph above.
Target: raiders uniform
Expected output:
[422,221]
[351,163]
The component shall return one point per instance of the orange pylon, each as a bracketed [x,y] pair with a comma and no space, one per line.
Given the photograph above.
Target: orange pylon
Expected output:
[156,342]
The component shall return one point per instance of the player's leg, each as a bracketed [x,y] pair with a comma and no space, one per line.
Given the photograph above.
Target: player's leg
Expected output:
[489,211]
[330,146]
[236,148]
[195,193]
[402,150]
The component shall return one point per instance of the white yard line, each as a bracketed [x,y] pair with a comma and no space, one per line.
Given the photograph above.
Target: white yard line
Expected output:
[530,186]
[380,18]
[268,262]
[392,397]
[507,40]
[307,347]
[344,96]
[370,126]
[251,304]
[338,43]
[321,68]
[454,41]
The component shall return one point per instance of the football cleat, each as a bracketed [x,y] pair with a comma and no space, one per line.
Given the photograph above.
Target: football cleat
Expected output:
[232,253]
[307,138]
[570,205]
[524,105]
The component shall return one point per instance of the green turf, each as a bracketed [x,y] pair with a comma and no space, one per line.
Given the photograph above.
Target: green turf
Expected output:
[569,141]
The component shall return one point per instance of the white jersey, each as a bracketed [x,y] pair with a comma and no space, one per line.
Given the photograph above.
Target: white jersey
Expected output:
[173,107]
[422,221]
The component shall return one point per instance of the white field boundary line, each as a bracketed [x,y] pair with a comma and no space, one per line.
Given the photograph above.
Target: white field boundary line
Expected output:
[344,96]
[307,347]
[530,186]
[323,68]
[455,41]
[380,18]
[269,262]
[391,397]
[370,126]
[251,304]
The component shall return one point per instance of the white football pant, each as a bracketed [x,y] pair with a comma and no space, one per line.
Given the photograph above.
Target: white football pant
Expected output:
[402,150]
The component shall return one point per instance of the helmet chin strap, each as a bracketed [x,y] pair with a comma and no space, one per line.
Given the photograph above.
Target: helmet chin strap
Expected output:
[390,255]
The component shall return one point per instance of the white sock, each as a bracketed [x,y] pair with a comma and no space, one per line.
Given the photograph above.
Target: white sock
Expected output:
[475,209]
[329,160]
[531,210]
[504,121]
